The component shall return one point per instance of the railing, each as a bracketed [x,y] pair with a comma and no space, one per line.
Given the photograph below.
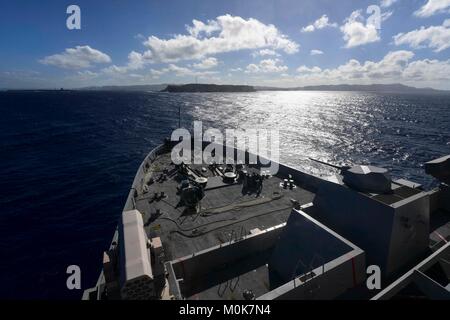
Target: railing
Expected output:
[308,271]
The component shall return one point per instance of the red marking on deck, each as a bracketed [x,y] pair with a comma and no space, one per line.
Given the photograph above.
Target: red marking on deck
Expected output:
[440,236]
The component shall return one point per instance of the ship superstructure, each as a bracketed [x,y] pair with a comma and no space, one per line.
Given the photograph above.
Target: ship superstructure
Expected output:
[213,231]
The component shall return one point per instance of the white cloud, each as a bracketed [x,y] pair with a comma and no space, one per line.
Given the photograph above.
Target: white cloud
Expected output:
[428,70]
[396,66]
[180,72]
[207,63]
[316,52]
[434,37]
[224,34]
[305,69]
[136,61]
[266,66]
[356,33]
[20,73]
[433,7]
[321,23]
[114,70]
[139,36]
[199,28]
[386,15]
[86,74]
[387,3]
[391,66]
[83,76]
[156,73]
[309,28]
[235,69]
[265,52]
[80,57]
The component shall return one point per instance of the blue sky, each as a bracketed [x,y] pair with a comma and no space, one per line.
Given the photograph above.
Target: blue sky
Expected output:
[279,43]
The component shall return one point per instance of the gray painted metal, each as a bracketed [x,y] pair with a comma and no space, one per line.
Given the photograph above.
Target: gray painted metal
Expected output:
[367,179]
[439,168]
[136,276]
[254,262]
[417,275]
[392,229]
[326,264]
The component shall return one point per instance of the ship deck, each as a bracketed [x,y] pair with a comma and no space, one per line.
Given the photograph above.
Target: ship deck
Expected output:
[226,214]
[254,277]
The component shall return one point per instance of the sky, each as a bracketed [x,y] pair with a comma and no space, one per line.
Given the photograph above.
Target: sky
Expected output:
[284,43]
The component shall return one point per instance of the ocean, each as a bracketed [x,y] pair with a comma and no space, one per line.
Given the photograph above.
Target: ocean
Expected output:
[69,157]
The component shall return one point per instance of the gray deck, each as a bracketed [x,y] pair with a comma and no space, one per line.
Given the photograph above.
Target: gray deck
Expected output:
[234,214]
[256,280]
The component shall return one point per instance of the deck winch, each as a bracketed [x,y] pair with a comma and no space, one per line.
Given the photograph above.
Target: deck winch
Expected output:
[191,193]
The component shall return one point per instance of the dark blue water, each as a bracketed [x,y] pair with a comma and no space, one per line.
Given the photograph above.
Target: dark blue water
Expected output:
[68,160]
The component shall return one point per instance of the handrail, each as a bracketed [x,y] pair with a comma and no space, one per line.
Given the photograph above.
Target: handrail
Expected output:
[294,273]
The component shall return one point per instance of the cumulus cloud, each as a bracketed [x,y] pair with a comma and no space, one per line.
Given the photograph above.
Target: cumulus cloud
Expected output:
[136,61]
[396,66]
[180,72]
[305,69]
[199,28]
[321,23]
[356,33]
[431,70]
[80,57]
[433,7]
[224,34]
[391,66]
[315,52]
[86,74]
[267,66]
[434,37]
[265,52]
[207,63]
[387,3]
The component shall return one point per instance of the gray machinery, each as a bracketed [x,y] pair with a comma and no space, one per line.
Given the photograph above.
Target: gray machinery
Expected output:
[388,220]
[191,193]
[440,169]
[364,178]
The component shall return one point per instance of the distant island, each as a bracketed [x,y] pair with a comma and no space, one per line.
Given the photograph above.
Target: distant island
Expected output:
[142,87]
[376,88]
[208,88]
